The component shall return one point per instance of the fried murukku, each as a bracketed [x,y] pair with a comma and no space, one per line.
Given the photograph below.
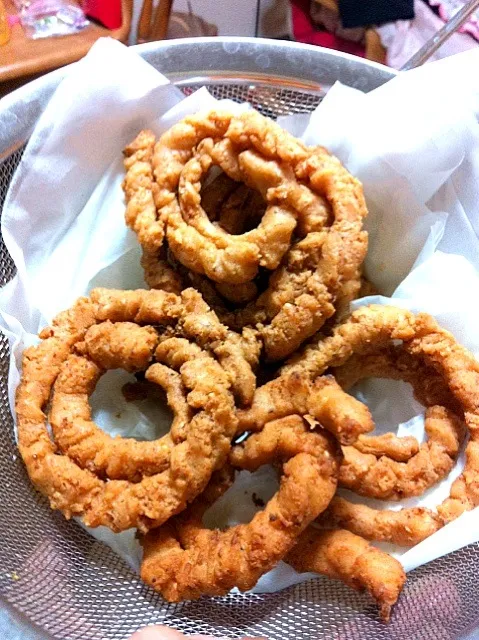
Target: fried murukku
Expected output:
[420,338]
[341,555]
[406,527]
[181,157]
[322,401]
[207,248]
[307,192]
[103,332]
[183,560]
[387,479]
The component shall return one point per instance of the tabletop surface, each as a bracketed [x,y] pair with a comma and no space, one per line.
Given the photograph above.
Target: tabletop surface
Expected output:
[22,56]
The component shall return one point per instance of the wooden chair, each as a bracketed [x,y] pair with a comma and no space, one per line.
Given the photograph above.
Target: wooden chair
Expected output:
[22,58]
[153,24]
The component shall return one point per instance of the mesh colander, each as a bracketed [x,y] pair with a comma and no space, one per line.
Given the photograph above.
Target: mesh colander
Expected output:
[58,582]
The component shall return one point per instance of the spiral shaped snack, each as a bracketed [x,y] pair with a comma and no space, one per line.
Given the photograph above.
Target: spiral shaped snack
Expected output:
[307,193]
[347,557]
[150,481]
[451,385]
[183,560]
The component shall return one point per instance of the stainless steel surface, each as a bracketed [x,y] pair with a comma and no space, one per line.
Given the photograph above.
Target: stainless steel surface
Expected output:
[439,38]
[256,61]
[72,586]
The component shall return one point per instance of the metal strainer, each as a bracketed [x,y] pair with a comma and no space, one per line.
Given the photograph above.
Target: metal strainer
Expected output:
[59,582]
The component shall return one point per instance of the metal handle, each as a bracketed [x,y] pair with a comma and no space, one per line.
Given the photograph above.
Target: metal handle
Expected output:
[438,39]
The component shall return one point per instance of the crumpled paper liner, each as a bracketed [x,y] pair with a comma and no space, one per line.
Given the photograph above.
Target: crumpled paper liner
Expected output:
[414,143]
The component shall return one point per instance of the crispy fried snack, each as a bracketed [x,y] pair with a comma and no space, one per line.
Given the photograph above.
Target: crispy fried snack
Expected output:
[389,445]
[307,191]
[375,328]
[207,248]
[323,401]
[379,466]
[387,479]
[390,471]
[183,560]
[394,363]
[140,214]
[347,557]
[199,380]
[406,527]
[181,158]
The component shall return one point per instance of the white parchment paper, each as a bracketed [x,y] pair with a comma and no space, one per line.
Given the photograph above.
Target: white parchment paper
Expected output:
[415,145]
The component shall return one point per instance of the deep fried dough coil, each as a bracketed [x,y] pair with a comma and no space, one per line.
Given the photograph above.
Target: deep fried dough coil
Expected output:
[347,557]
[183,560]
[181,464]
[307,191]
[375,328]
[323,402]
[387,479]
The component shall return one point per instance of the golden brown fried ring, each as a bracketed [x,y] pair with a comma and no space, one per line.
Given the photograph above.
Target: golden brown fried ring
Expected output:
[394,363]
[237,207]
[183,560]
[91,448]
[203,446]
[378,327]
[406,527]
[347,557]
[234,260]
[323,400]
[387,479]
[304,187]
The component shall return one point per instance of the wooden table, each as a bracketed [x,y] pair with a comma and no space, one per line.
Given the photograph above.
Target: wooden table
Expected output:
[22,57]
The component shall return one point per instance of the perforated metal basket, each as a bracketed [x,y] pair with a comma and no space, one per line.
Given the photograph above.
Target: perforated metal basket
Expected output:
[55,580]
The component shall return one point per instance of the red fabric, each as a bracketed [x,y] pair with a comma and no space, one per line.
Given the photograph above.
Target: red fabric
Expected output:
[106,13]
[304,30]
